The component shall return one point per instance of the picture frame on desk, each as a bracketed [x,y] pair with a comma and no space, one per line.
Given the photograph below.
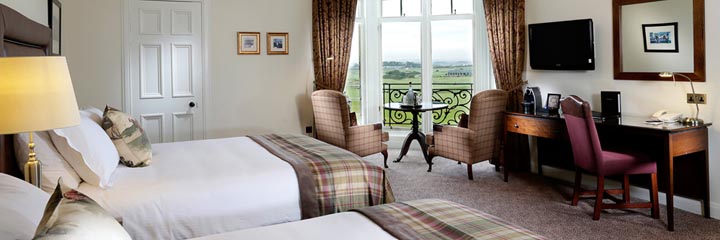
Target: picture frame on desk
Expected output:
[553,103]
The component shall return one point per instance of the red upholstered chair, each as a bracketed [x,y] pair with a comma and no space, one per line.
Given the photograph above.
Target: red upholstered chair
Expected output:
[591,158]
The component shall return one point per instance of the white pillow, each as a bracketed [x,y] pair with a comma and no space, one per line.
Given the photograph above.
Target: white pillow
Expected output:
[89,151]
[22,206]
[93,113]
[54,165]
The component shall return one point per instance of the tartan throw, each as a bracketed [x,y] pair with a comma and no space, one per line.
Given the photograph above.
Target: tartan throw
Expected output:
[440,219]
[331,179]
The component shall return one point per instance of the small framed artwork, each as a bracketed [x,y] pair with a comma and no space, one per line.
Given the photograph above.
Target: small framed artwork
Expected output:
[660,37]
[248,43]
[553,102]
[278,43]
[55,23]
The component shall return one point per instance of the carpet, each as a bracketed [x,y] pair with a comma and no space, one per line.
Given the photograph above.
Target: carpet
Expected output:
[537,203]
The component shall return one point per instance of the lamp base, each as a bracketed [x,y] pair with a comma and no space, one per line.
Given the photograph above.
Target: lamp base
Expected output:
[692,121]
[32,173]
[33,167]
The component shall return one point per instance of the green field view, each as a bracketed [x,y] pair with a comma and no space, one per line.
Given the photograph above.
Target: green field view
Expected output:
[402,75]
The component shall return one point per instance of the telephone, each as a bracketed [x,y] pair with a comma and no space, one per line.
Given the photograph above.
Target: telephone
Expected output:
[665,116]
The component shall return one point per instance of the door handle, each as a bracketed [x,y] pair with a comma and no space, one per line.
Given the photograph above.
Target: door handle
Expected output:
[192,104]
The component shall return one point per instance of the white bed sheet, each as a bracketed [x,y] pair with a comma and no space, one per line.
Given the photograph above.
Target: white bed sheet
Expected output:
[346,226]
[200,188]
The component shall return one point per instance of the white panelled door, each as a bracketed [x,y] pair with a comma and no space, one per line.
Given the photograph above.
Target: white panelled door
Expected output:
[166,64]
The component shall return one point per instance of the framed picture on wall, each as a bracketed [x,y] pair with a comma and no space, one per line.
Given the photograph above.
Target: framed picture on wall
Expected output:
[248,43]
[55,23]
[278,43]
[660,37]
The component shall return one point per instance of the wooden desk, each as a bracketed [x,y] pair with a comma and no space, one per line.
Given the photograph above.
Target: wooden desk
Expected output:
[668,141]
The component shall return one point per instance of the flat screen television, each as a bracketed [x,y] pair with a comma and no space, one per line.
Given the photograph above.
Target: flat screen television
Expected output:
[566,45]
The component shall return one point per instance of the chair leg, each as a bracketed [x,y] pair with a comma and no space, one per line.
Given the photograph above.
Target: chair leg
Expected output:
[599,198]
[385,155]
[576,189]
[654,196]
[470,172]
[626,188]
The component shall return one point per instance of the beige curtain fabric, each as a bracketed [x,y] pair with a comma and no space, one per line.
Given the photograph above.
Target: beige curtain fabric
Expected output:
[506,33]
[333,24]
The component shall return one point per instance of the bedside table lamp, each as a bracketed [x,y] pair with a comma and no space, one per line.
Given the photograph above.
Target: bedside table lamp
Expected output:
[37,95]
[689,120]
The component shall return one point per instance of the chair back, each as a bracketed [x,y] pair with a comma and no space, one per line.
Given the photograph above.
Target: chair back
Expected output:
[486,120]
[584,139]
[332,116]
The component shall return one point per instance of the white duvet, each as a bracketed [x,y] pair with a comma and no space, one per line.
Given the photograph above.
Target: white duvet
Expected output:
[200,188]
[345,226]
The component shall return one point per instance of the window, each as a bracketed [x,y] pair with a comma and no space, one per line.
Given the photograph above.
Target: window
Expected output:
[452,7]
[401,8]
[439,46]
[353,83]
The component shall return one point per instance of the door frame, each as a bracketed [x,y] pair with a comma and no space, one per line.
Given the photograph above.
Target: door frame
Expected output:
[125,70]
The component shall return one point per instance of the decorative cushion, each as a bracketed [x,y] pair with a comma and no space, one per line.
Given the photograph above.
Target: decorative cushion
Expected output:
[54,165]
[88,150]
[21,207]
[129,138]
[73,215]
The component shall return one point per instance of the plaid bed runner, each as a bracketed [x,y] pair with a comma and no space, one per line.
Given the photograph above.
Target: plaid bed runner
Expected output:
[331,179]
[439,219]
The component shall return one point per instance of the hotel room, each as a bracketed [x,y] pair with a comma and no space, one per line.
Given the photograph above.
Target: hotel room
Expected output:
[275,119]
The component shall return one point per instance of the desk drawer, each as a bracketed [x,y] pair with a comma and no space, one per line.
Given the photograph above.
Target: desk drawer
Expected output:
[533,126]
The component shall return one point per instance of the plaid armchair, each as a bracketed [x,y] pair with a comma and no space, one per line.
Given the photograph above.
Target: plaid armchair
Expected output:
[335,125]
[477,138]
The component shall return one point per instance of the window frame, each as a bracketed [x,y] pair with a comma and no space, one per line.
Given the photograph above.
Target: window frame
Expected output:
[371,62]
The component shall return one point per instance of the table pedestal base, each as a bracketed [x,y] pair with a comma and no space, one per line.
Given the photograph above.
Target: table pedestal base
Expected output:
[415,134]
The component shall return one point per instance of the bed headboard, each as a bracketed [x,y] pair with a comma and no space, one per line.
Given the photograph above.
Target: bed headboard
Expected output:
[19,36]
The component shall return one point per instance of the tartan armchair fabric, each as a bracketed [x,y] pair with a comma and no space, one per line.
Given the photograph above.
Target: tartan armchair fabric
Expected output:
[333,125]
[478,142]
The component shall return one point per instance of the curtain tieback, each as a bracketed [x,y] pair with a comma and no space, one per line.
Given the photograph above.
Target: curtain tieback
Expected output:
[518,86]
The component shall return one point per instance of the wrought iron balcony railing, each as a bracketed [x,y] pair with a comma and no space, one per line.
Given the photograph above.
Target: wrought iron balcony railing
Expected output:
[456,95]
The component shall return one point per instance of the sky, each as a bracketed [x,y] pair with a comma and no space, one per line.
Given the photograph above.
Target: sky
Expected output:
[452,40]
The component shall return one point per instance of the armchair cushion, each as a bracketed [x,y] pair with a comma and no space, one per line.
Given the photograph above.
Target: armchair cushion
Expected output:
[365,140]
[454,143]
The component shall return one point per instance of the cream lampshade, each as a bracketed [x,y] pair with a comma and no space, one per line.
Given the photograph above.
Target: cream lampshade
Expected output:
[36,95]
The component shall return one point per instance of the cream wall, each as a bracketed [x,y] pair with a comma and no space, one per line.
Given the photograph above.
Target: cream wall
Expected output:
[245,94]
[36,10]
[640,98]
[259,93]
[92,42]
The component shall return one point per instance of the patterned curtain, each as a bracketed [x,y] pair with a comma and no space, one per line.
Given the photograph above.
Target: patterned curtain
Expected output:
[506,33]
[333,24]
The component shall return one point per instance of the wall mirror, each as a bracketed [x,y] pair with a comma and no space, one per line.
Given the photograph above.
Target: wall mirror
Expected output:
[653,36]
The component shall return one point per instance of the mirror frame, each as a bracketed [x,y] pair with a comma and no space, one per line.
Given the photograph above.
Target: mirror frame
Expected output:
[698,45]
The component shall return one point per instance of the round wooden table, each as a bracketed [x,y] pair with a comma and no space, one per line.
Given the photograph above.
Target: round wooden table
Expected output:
[415,134]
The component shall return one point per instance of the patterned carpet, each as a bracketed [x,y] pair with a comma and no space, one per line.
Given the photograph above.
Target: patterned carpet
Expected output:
[537,203]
